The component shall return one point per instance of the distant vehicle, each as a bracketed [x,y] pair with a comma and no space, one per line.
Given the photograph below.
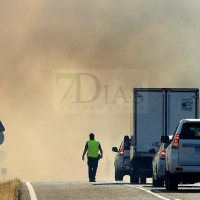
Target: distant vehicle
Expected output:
[155,112]
[2,129]
[183,154]
[158,164]
[122,159]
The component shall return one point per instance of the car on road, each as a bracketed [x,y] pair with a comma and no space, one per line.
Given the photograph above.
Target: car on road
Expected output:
[182,159]
[122,159]
[158,164]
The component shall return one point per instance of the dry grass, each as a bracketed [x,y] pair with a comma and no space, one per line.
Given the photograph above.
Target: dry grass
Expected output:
[9,189]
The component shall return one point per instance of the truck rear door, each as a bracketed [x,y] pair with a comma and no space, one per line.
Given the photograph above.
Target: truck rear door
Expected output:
[181,104]
[149,122]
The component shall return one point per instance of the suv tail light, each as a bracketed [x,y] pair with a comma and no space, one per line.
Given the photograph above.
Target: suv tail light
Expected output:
[121,151]
[175,142]
[162,155]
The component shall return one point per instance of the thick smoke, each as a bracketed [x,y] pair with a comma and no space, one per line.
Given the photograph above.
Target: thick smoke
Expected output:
[38,37]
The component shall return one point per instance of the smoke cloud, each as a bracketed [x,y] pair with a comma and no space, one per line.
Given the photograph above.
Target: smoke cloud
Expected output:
[38,37]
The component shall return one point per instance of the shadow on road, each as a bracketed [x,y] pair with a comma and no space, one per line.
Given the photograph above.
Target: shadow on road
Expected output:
[119,183]
[181,189]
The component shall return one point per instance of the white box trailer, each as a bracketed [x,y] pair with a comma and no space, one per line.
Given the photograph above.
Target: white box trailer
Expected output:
[156,112]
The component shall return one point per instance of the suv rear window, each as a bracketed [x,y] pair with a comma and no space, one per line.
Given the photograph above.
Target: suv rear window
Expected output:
[190,131]
[127,145]
[166,145]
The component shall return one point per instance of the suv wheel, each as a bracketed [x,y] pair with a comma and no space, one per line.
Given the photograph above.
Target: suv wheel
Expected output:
[171,182]
[159,182]
[118,177]
[153,181]
[166,180]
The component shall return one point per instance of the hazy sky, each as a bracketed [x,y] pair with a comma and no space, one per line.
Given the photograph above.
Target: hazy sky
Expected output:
[38,38]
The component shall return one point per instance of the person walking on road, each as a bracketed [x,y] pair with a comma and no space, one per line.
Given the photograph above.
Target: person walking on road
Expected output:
[92,148]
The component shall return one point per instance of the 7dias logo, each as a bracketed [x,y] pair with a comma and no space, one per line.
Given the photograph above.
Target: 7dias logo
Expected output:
[95,90]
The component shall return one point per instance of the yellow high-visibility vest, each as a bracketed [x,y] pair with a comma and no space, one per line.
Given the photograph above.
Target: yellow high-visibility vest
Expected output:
[93,148]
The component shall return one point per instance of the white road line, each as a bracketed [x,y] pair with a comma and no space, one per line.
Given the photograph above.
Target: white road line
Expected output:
[141,188]
[31,191]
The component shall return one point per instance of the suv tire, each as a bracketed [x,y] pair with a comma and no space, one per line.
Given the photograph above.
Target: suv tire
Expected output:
[118,177]
[159,182]
[166,180]
[171,182]
[153,181]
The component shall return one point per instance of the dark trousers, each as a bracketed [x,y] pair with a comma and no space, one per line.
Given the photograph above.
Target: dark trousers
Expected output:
[92,168]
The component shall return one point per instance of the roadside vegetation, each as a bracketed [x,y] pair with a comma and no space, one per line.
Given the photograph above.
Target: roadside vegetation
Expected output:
[9,190]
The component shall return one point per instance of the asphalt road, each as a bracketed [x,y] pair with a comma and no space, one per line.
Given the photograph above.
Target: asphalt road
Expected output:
[105,190]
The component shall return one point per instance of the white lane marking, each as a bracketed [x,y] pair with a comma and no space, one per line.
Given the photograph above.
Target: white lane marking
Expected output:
[141,188]
[31,191]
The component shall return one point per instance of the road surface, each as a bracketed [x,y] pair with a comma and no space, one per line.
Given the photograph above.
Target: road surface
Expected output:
[108,190]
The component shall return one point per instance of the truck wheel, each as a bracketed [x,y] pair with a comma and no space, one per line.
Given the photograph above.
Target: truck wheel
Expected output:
[134,179]
[118,177]
[143,180]
[172,183]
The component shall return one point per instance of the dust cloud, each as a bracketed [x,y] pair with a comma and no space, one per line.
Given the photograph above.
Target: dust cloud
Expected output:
[38,37]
